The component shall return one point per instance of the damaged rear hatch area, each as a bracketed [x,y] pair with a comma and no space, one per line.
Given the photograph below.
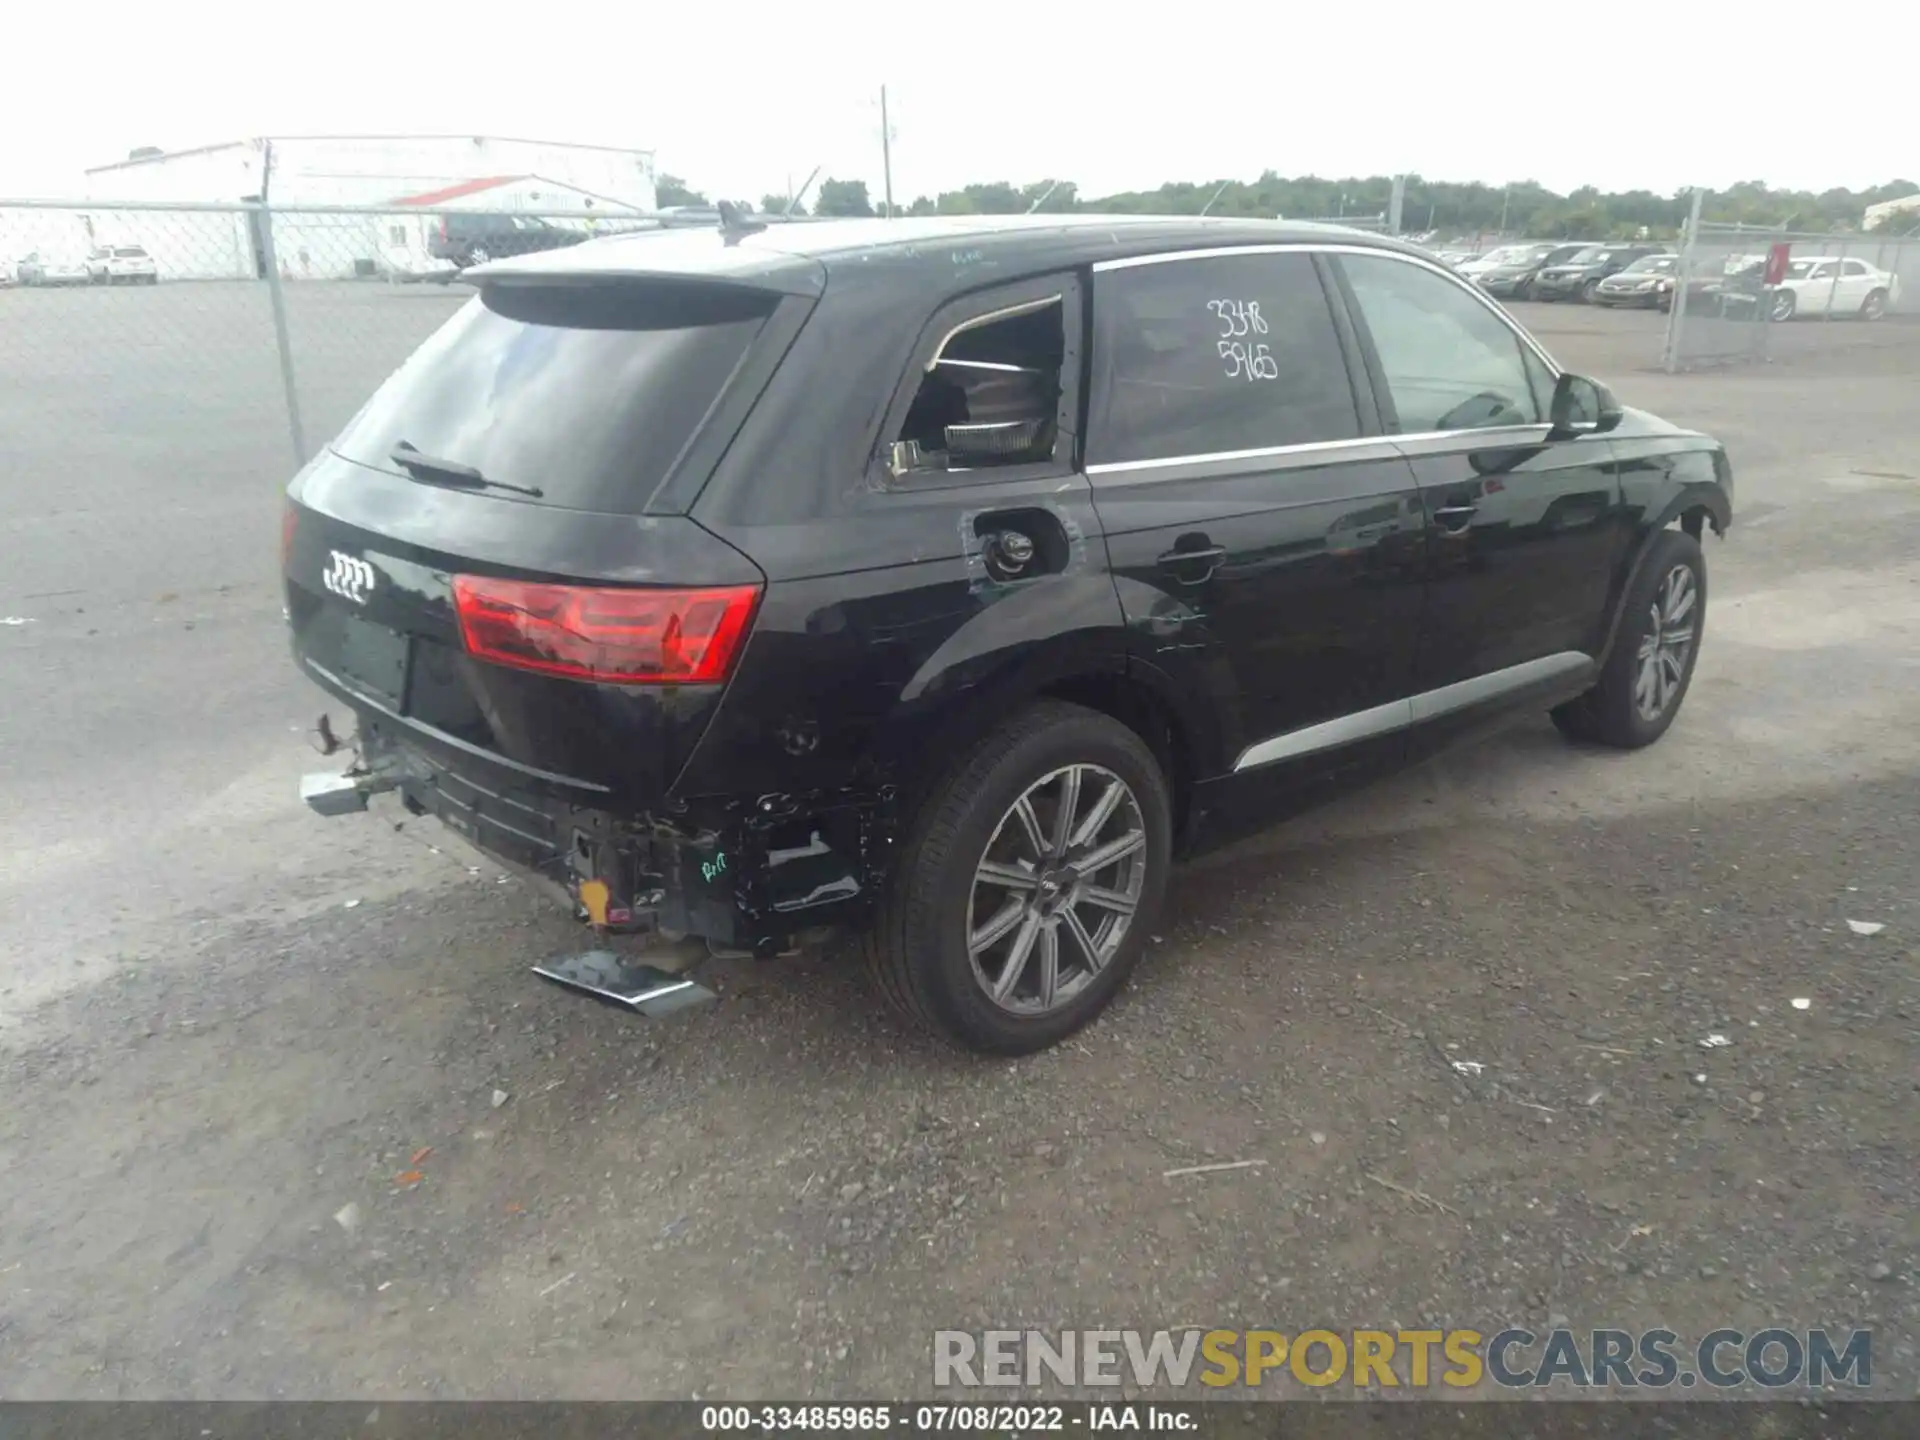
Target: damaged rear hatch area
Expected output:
[493,567]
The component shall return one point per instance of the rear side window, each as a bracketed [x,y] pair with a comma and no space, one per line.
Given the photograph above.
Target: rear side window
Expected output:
[588,393]
[1218,353]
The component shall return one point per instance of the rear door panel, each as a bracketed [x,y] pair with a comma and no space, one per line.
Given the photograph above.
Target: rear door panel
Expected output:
[1279,580]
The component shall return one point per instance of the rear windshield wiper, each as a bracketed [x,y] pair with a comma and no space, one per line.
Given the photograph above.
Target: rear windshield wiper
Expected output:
[435,470]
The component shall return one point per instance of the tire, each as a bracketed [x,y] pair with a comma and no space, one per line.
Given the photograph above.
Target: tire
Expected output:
[1589,290]
[1874,307]
[918,950]
[1611,712]
[1781,305]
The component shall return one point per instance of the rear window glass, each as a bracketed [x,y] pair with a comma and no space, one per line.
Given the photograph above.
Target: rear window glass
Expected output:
[587,392]
[130,252]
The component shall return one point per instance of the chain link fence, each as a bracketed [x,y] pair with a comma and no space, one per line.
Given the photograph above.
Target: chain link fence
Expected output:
[1747,293]
[231,336]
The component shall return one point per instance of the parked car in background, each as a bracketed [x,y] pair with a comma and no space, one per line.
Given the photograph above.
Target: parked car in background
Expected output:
[1501,255]
[1733,292]
[1513,278]
[121,265]
[1578,277]
[42,267]
[474,239]
[953,602]
[1646,284]
[1833,285]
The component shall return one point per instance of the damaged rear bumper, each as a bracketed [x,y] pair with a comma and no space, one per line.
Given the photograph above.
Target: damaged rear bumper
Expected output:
[754,875]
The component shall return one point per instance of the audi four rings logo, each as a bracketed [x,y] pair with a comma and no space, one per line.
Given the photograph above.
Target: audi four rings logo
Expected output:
[348,577]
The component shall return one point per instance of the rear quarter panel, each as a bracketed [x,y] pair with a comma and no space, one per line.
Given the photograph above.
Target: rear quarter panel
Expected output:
[883,645]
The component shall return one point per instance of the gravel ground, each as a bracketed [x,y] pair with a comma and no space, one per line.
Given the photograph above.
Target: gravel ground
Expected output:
[288,1117]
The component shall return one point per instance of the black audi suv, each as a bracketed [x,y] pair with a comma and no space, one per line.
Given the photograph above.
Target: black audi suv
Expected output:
[942,582]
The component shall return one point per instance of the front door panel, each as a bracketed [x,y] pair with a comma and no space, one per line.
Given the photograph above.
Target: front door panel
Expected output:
[1524,542]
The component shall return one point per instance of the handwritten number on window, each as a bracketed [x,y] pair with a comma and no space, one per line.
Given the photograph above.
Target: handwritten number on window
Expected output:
[1238,318]
[1248,362]
[1245,359]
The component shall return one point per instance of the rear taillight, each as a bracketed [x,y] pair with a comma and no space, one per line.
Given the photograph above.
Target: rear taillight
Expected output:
[620,637]
[289,522]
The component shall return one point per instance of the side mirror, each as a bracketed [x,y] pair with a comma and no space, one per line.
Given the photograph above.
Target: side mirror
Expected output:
[1582,407]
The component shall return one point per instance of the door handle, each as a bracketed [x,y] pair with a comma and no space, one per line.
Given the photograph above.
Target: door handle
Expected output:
[1182,563]
[1180,557]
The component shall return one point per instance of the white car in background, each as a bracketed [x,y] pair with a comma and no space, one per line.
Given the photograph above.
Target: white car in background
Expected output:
[41,267]
[1833,285]
[121,265]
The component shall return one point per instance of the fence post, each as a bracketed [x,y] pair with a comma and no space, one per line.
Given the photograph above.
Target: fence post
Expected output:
[283,341]
[1677,312]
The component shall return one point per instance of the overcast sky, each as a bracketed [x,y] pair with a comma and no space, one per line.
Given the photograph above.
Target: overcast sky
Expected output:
[735,97]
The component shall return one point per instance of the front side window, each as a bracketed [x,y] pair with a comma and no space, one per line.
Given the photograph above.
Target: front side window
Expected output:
[1216,354]
[1449,362]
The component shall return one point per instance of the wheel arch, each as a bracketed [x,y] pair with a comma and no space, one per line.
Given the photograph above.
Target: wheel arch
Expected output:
[1694,507]
[1095,671]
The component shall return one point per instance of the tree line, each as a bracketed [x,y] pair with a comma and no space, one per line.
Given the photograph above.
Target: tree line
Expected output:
[1429,205]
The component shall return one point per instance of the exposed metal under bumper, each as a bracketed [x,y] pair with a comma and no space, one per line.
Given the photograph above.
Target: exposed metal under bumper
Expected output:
[329,793]
[614,980]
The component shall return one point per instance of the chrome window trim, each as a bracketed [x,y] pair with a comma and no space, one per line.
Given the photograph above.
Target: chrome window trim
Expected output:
[1414,710]
[1422,442]
[1325,247]
[1007,312]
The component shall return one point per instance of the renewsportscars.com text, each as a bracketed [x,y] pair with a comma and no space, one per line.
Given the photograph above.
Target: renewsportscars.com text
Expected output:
[1512,1358]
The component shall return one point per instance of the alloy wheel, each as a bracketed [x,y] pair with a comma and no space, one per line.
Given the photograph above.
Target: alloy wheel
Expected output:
[1056,890]
[1668,642]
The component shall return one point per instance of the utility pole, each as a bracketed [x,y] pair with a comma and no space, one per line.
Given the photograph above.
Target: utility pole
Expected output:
[1505,196]
[886,151]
